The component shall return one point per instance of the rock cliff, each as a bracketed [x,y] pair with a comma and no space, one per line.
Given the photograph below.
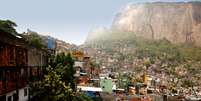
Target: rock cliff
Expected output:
[177,22]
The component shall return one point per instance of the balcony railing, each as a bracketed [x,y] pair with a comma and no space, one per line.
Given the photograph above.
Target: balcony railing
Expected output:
[13,78]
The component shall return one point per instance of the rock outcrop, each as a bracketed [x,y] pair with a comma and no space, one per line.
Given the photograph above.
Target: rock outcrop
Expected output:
[177,22]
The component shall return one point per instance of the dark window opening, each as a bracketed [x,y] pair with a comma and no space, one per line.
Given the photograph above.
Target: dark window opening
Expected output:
[3,98]
[25,92]
[9,98]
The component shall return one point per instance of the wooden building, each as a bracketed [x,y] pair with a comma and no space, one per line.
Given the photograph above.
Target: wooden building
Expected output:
[20,64]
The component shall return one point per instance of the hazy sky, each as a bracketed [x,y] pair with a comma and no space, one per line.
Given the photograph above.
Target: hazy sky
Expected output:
[69,20]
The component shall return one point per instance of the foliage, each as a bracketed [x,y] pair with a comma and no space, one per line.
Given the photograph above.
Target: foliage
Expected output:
[83,97]
[34,39]
[56,89]
[187,83]
[59,81]
[8,26]
[64,66]
[163,49]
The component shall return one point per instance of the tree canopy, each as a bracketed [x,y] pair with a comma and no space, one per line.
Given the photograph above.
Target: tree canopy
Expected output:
[59,80]
[8,26]
[56,89]
[34,39]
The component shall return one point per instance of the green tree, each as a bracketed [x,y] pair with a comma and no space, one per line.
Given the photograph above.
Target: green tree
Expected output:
[64,66]
[34,39]
[58,83]
[55,88]
[8,26]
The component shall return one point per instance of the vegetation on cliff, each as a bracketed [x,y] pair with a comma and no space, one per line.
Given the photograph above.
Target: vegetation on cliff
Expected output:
[177,22]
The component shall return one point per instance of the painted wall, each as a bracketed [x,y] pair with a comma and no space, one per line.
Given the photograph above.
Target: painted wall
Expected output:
[23,97]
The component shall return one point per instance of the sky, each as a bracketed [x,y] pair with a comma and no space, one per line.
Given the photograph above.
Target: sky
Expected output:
[68,20]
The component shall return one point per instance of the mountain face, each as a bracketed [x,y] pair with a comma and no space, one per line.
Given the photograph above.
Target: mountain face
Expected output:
[143,35]
[176,22]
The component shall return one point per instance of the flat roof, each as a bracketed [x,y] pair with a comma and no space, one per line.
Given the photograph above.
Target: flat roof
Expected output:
[95,89]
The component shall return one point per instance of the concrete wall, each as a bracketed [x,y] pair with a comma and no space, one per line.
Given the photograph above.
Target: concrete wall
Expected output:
[21,95]
[36,57]
[78,64]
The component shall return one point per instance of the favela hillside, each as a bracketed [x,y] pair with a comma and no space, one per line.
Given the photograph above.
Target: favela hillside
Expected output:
[141,50]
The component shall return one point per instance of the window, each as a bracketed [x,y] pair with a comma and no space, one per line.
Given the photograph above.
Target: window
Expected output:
[3,98]
[15,97]
[25,92]
[9,98]
[1,75]
[1,54]
[11,56]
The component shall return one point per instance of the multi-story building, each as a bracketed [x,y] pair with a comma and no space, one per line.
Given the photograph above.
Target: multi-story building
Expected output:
[20,64]
[86,72]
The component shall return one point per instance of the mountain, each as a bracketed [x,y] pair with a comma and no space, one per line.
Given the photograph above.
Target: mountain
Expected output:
[177,22]
[143,36]
[140,26]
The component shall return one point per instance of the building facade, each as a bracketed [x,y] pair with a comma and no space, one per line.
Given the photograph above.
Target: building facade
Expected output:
[20,65]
